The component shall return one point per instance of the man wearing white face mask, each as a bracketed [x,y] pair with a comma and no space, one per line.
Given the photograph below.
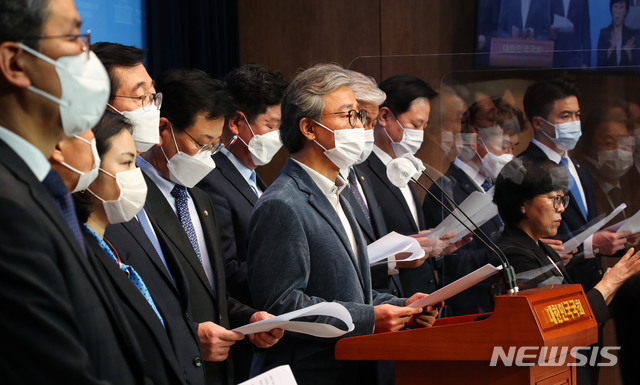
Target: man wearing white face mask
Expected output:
[53,301]
[399,129]
[76,160]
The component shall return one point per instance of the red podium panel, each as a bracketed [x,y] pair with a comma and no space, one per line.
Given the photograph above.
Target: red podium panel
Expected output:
[520,53]
[459,349]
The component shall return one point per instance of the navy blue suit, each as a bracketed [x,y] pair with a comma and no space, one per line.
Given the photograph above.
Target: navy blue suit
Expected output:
[579,40]
[300,255]
[606,60]
[537,18]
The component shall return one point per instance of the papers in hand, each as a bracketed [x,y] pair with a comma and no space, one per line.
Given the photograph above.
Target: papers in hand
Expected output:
[321,330]
[562,24]
[392,244]
[478,206]
[630,224]
[280,375]
[458,286]
[580,238]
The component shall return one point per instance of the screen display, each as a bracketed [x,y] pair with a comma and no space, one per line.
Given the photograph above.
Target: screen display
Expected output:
[116,21]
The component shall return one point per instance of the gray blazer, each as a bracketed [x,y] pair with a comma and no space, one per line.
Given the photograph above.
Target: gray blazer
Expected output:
[300,255]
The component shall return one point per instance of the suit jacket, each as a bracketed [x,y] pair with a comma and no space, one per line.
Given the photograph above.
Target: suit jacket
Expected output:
[538,18]
[300,255]
[527,256]
[472,255]
[629,183]
[54,307]
[172,299]
[603,45]
[578,41]
[160,361]
[585,271]
[233,200]
[206,305]
[373,230]
[398,218]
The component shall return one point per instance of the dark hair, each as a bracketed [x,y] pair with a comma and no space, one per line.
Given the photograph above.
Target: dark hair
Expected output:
[254,88]
[117,55]
[523,179]
[541,96]
[612,2]
[599,115]
[187,92]
[109,126]
[402,90]
[23,20]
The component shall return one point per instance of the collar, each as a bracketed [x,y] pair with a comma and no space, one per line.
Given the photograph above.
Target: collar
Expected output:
[551,154]
[163,184]
[472,173]
[241,167]
[35,160]
[328,188]
[384,157]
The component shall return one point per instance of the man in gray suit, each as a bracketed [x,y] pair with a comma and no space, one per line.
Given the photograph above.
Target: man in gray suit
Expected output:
[305,245]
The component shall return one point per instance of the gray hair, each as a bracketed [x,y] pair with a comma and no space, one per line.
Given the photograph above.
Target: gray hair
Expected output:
[304,99]
[365,88]
[23,20]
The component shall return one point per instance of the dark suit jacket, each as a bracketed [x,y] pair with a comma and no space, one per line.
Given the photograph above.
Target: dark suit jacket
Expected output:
[584,271]
[629,183]
[525,256]
[233,199]
[538,18]
[398,218]
[54,307]
[160,361]
[470,257]
[612,60]
[578,41]
[172,300]
[380,279]
[300,255]
[205,304]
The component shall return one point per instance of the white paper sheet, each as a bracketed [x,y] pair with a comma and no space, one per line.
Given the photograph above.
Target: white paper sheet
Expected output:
[580,238]
[321,330]
[392,244]
[478,206]
[562,24]
[630,224]
[458,286]
[280,375]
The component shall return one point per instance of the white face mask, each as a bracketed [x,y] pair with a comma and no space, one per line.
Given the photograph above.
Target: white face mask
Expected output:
[133,193]
[368,146]
[262,147]
[86,178]
[348,146]
[464,141]
[492,164]
[187,170]
[615,162]
[446,141]
[410,142]
[146,127]
[85,90]
[567,134]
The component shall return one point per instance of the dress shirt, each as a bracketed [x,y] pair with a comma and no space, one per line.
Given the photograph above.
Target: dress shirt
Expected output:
[165,187]
[331,191]
[555,158]
[405,190]
[243,170]
[524,9]
[473,174]
[29,153]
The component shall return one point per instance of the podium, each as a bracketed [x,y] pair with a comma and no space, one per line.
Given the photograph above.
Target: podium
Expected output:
[546,321]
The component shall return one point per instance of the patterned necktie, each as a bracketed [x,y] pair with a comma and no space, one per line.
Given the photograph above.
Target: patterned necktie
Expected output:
[58,190]
[487,184]
[252,183]
[128,270]
[573,188]
[146,226]
[355,191]
[182,207]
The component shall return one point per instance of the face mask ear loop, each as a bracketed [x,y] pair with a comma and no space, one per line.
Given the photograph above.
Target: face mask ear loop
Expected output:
[174,140]
[94,194]
[246,121]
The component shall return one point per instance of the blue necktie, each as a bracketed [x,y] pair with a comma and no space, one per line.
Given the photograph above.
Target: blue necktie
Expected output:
[128,270]
[573,188]
[487,184]
[353,188]
[182,207]
[146,226]
[58,190]
[253,184]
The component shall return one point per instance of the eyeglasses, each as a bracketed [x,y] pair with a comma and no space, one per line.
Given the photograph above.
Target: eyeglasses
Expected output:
[206,147]
[148,100]
[559,200]
[353,115]
[84,37]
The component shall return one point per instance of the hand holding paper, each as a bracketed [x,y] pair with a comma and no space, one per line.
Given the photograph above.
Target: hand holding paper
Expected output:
[580,238]
[392,244]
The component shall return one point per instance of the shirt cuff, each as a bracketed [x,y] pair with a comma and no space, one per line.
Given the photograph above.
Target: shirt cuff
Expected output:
[588,248]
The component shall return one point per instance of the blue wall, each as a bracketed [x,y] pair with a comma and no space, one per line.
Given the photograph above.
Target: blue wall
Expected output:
[118,21]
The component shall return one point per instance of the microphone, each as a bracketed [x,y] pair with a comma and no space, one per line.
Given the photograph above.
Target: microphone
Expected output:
[407,168]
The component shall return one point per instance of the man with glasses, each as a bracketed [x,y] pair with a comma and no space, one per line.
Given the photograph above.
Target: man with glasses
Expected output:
[54,305]
[305,246]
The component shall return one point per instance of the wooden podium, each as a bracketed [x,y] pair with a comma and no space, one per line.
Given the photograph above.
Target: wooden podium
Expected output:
[458,350]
